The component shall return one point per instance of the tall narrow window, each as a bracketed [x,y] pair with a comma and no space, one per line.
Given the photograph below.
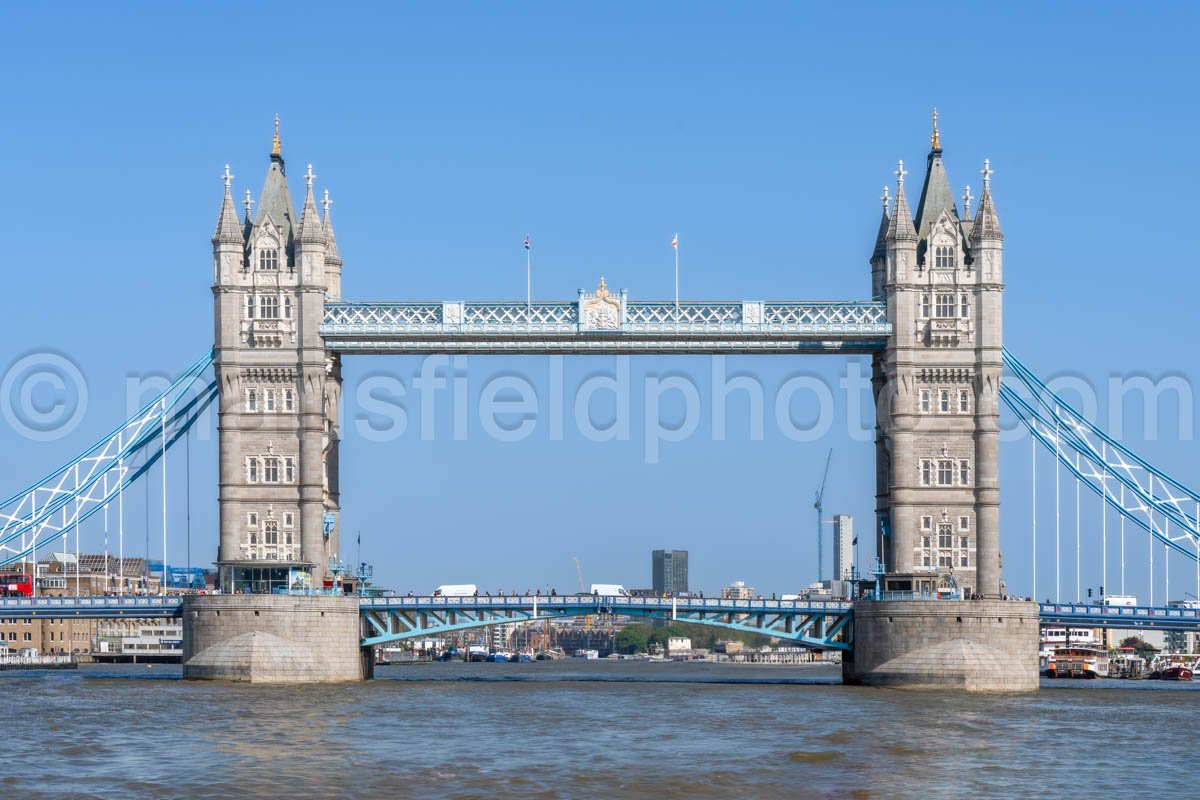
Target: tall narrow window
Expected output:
[964,307]
[964,401]
[249,306]
[944,305]
[269,401]
[268,259]
[926,472]
[270,471]
[945,472]
[287,306]
[925,401]
[252,470]
[289,400]
[252,400]
[944,401]
[964,472]
[271,532]
[924,305]
[289,470]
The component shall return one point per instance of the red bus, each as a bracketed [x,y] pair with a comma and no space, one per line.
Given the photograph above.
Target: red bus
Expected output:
[16,585]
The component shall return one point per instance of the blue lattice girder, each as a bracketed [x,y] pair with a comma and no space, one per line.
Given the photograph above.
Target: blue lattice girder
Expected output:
[815,624]
[633,327]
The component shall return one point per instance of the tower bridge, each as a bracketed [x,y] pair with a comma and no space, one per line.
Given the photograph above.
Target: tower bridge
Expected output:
[932,324]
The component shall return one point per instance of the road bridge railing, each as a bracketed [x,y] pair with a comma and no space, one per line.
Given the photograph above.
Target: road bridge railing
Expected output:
[1100,616]
[95,607]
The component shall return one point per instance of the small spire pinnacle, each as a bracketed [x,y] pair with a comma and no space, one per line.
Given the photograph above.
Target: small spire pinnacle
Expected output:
[275,145]
[886,200]
[935,140]
[326,203]
[900,173]
[308,176]
[227,177]
[966,198]
[247,203]
[987,173]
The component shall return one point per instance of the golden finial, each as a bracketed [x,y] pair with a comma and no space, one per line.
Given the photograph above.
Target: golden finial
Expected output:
[602,290]
[935,140]
[275,147]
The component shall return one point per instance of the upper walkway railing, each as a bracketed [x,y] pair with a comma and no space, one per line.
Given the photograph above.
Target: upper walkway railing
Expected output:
[604,323]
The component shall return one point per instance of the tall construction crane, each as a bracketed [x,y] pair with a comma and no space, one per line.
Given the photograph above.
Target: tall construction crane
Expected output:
[579,573]
[818,505]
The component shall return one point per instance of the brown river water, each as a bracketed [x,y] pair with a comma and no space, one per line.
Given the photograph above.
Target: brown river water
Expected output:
[584,729]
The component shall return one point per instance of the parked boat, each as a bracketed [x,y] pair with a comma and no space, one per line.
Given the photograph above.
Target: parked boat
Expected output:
[498,657]
[1076,662]
[477,652]
[1172,669]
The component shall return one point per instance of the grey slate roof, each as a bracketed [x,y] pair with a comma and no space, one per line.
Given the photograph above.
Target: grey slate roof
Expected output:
[986,226]
[900,228]
[881,238]
[276,201]
[310,224]
[936,197]
[332,256]
[229,229]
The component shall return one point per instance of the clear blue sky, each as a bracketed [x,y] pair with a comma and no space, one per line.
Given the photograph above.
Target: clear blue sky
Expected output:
[762,134]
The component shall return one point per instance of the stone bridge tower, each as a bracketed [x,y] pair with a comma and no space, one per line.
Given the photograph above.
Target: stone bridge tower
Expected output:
[937,386]
[279,388]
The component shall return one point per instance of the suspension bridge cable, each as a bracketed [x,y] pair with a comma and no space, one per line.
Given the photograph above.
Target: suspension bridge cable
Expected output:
[128,475]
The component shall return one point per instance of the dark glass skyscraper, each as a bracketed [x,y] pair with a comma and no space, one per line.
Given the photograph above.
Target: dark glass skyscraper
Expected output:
[669,571]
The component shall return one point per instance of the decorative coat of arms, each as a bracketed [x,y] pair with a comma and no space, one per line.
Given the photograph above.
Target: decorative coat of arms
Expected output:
[601,311]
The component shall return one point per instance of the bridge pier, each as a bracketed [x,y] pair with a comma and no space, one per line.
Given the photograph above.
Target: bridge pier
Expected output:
[972,645]
[274,639]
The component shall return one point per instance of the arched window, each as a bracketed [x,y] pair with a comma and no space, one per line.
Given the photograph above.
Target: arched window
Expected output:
[252,400]
[944,305]
[271,532]
[944,256]
[268,259]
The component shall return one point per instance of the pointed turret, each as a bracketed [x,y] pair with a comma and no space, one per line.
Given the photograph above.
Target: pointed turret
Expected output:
[229,229]
[311,229]
[333,259]
[936,195]
[880,250]
[900,227]
[275,202]
[986,227]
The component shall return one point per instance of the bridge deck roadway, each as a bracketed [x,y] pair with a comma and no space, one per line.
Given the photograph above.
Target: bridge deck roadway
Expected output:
[139,606]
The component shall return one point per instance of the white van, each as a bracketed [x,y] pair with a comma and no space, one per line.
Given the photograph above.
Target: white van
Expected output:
[456,590]
[610,590]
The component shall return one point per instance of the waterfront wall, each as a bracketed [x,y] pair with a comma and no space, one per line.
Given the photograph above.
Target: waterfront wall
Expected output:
[972,645]
[273,639]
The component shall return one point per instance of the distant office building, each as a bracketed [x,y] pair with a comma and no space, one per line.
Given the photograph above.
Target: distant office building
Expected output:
[738,590]
[669,571]
[843,547]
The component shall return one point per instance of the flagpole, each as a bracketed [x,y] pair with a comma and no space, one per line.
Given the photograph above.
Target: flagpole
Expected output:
[676,249]
[528,275]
